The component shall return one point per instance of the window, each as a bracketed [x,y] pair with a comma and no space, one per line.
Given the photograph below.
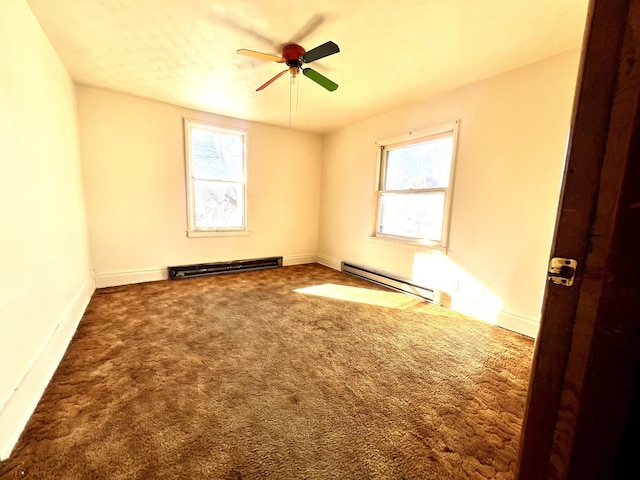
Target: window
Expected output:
[216,179]
[414,186]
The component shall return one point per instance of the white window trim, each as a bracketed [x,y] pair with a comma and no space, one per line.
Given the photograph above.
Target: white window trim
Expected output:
[192,231]
[417,136]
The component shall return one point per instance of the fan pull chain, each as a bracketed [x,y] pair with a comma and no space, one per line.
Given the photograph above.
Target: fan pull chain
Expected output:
[290,88]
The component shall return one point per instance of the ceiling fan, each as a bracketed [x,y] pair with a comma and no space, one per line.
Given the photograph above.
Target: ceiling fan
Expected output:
[295,56]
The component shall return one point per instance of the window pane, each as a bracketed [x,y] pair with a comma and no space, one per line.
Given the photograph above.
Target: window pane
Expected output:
[422,165]
[216,156]
[218,204]
[414,215]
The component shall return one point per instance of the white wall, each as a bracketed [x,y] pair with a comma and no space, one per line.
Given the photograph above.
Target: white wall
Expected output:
[133,163]
[512,139]
[45,280]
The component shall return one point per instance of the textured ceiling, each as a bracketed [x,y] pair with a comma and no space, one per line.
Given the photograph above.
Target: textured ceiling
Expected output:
[393,53]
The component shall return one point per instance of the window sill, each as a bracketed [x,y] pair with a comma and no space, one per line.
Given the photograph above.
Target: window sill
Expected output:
[408,244]
[217,233]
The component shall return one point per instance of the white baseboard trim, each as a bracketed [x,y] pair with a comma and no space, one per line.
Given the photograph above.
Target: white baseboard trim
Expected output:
[15,413]
[517,323]
[131,276]
[330,262]
[299,259]
[495,315]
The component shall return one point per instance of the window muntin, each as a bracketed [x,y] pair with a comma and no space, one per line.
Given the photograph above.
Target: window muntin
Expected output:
[414,186]
[216,178]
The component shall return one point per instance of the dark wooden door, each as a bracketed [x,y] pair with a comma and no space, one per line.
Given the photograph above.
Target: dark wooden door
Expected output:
[582,409]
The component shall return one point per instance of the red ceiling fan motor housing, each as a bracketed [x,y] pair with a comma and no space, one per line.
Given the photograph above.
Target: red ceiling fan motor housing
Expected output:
[292,52]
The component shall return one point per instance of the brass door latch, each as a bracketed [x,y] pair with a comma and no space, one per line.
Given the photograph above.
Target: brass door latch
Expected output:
[562,271]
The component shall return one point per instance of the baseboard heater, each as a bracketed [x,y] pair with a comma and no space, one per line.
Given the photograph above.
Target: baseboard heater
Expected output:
[391,281]
[218,268]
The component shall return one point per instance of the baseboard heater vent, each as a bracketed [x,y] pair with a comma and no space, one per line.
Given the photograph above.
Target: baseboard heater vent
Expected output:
[218,268]
[391,281]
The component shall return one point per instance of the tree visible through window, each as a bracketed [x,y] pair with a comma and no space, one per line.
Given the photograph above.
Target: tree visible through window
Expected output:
[216,178]
[414,187]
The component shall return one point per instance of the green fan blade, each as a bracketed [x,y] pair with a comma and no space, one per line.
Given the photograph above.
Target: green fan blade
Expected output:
[320,79]
[324,50]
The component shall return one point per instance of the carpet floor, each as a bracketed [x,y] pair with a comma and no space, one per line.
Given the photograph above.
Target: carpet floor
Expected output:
[300,372]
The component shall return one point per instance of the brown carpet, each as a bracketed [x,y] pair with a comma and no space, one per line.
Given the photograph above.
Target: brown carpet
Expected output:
[242,377]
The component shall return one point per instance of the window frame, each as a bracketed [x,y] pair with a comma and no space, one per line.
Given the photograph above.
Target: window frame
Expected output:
[192,229]
[411,138]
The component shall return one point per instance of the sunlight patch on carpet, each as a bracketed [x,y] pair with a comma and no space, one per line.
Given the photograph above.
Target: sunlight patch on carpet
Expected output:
[362,295]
